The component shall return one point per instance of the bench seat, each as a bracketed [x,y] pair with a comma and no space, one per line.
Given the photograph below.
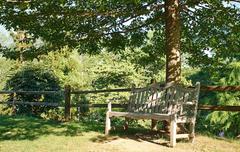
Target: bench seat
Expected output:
[134,115]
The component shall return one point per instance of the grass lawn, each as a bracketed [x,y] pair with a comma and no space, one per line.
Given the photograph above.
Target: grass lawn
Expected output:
[27,134]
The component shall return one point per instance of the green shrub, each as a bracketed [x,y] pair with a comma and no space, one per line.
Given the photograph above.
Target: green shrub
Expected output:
[80,99]
[219,121]
[33,77]
[229,122]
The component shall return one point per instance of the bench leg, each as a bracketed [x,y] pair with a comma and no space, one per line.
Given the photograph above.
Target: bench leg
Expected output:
[108,124]
[192,132]
[173,132]
[126,123]
[154,124]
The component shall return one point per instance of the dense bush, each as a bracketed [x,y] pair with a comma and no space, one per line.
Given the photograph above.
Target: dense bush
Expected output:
[34,77]
[6,68]
[229,122]
[219,121]
[81,72]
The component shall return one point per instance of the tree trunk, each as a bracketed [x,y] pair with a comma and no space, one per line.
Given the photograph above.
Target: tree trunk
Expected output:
[172,23]
[172,33]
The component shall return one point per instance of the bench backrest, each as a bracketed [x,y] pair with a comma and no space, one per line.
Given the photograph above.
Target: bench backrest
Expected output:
[165,99]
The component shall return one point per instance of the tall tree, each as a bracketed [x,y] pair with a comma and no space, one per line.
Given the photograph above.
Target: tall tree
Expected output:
[172,21]
[209,34]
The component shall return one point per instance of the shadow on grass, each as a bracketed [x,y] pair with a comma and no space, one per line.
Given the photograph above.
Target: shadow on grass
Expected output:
[135,133]
[30,128]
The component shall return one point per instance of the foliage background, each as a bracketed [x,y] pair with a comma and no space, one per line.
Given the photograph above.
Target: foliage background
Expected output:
[117,43]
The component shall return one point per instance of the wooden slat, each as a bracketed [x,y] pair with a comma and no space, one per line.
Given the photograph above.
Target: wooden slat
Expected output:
[152,106]
[182,136]
[200,107]
[170,100]
[104,105]
[162,103]
[132,106]
[186,97]
[134,102]
[141,116]
[147,99]
[138,102]
[147,95]
[143,98]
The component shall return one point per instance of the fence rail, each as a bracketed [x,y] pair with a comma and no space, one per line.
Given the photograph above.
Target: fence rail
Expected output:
[31,92]
[203,88]
[104,105]
[220,88]
[67,92]
[50,104]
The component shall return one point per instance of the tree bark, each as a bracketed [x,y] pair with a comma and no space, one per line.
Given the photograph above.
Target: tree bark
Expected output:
[173,57]
[172,33]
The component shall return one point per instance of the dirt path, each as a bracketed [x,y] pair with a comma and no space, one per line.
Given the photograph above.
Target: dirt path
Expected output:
[202,144]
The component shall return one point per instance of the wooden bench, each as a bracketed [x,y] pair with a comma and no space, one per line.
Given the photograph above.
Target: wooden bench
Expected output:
[173,103]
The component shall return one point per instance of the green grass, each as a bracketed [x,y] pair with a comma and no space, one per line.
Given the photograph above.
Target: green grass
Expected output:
[20,133]
[29,134]
[30,128]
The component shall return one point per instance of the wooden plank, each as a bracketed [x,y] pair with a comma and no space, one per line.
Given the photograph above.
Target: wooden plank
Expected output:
[136,103]
[182,136]
[101,105]
[143,101]
[132,102]
[146,95]
[200,107]
[131,99]
[185,97]
[152,106]
[134,93]
[149,99]
[154,116]
[218,108]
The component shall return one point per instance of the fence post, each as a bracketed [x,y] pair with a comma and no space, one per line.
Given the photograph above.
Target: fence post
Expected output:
[67,97]
[13,100]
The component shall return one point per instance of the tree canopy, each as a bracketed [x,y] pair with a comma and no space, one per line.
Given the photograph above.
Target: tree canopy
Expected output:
[210,29]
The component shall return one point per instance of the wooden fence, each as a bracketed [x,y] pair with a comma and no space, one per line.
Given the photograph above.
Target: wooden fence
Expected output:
[67,92]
